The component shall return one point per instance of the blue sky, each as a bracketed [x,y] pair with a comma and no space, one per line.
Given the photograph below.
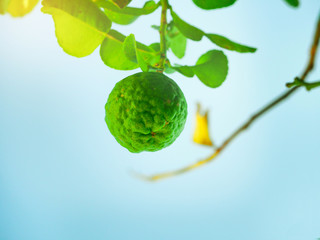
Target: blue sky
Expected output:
[63,176]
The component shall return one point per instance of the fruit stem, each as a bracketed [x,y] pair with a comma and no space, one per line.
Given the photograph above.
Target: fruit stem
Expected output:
[163,27]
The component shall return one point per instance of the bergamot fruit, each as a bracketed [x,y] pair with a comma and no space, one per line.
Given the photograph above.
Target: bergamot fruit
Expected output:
[146,111]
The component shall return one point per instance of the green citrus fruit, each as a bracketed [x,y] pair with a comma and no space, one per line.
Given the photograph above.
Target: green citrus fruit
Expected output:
[146,111]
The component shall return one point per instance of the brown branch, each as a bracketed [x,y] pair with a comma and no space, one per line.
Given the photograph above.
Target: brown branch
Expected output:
[313,52]
[248,123]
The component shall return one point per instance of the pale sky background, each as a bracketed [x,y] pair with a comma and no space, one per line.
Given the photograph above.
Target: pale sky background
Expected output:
[63,176]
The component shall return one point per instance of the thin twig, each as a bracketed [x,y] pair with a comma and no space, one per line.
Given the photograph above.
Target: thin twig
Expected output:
[308,85]
[313,52]
[248,123]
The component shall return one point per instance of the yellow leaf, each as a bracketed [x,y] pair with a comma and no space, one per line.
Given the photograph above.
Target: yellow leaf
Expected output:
[80,25]
[3,6]
[19,8]
[201,134]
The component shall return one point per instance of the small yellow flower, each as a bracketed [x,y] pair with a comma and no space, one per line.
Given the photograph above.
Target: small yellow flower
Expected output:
[201,134]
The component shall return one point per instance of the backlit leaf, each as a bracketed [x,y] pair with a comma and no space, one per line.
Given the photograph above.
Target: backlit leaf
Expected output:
[121,3]
[126,15]
[120,53]
[3,6]
[19,8]
[155,46]
[129,48]
[119,18]
[293,3]
[155,27]
[178,45]
[186,71]
[186,29]
[176,41]
[112,52]
[139,53]
[196,34]
[80,25]
[213,4]
[168,69]
[148,54]
[212,68]
[228,44]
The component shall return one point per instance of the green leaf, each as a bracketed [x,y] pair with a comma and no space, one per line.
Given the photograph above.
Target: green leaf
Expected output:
[124,53]
[186,29]
[139,53]
[148,54]
[121,3]
[176,41]
[80,25]
[129,48]
[178,45]
[155,46]
[293,3]
[112,52]
[19,8]
[186,71]
[168,69]
[126,15]
[155,27]
[212,68]
[115,15]
[4,6]
[196,34]
[213,4]
[228,44]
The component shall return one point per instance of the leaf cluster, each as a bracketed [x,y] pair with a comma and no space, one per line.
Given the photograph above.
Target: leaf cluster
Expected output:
[83,25]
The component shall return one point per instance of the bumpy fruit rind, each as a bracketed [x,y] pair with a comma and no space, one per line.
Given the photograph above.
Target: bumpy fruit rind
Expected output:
[146,111]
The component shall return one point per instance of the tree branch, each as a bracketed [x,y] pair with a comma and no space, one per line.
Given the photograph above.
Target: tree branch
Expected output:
[248,123]
[308,85]
[313,52]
